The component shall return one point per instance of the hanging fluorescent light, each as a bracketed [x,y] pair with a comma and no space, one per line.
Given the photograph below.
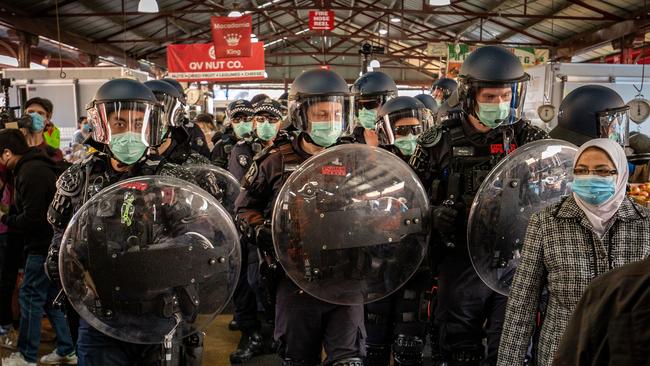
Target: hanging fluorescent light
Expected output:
[439,2]
[374,64]
[395,20]
[383,32]
[234,14]
[148,6]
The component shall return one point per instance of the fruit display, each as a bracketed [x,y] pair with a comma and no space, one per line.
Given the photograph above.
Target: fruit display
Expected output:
[640,193]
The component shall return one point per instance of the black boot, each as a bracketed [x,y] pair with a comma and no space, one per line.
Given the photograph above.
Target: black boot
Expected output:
[252,346]
[233,325]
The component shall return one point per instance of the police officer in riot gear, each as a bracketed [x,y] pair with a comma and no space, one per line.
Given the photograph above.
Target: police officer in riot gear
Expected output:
[442,89]
[196,137]
[398,322]
[431,109]
[453,159]
[129,121]
[370,92]
[266,121]
[590,112]
[303,323]
[240,115]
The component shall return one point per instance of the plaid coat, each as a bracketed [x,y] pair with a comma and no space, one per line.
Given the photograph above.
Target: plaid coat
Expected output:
[562,252]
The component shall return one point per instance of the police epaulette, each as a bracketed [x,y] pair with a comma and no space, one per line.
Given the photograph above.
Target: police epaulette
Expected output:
[431,137]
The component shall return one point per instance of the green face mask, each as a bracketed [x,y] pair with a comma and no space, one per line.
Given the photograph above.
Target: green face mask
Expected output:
[266,130]
[493,114]
[325,133]
[243,128]
[406,144]
[127,147]
[367,118]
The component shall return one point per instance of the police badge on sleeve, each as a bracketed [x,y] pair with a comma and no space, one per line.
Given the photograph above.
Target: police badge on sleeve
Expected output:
[243,160]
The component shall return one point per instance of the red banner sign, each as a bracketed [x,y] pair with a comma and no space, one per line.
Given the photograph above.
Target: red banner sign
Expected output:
[193,62]
[232,36]
[321,20]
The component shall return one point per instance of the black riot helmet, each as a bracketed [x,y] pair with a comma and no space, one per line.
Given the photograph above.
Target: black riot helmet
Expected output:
[170,98]
[317,101]
[431,108]
[126,116]
[492,86]
[178,87]
[443,88]
[400,118]
[590,112]
[369,93]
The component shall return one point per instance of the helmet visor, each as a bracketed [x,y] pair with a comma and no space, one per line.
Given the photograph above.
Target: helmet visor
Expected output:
[615,125]
[401,124]
[511,93]
[113,118]
[172,110]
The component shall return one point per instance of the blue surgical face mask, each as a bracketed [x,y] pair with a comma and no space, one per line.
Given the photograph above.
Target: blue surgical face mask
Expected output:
[266,130]
[127,147]
[367,118]
[594,190]
[242,129]
[325,133]
[38,122]
[493,114]
[406,144]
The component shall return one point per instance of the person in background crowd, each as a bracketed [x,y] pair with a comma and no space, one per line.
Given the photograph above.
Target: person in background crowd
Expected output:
[11,258]
[370,92]
[50,133]
[35,184]
[82,132]
[442,89]
[432,109]
[569,244]
[240,118]
[205,121]
[609,325]
[40,109]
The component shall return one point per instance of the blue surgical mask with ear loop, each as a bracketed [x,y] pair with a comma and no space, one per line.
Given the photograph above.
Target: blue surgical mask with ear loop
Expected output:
[325,133]
[493,114]
[38,122]
[593,189]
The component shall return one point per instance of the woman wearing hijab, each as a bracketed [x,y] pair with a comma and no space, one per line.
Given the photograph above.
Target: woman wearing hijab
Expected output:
[570,243]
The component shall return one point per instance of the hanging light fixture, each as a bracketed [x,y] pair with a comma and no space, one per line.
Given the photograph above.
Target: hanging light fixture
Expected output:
[395,20]
[234,14]
[148,6]
[383,32]
[439,2]
[374,64]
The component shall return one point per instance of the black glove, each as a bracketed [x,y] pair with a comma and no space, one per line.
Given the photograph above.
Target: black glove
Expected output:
[444,219]
[52,265]
[264,238]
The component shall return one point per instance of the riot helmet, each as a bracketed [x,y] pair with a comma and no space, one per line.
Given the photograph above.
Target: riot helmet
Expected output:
[590,112]
[317,105]
[283,102]
[170,98]
[492,86]
[240,115]
[431,108]
[177,86]
[400,122]
[267,119]
[126,116]
[370,92]
[442,89]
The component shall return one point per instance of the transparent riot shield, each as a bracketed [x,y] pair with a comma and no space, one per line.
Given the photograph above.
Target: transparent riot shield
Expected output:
[149,258]
[218,182]
[533,177]
[350,225]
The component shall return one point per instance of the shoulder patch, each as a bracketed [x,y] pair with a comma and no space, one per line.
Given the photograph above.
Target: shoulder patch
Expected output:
[250,175]
[431,137]
[243,160]
[71,181]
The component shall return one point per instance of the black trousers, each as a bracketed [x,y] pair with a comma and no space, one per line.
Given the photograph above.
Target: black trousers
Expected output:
[11,259]
[468,311]
[244,298]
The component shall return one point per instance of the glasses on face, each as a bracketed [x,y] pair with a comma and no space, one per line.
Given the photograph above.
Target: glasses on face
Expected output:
[602,172]
[270,119]
[369,104]
[408,129]
[241,119]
